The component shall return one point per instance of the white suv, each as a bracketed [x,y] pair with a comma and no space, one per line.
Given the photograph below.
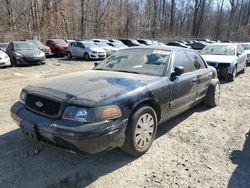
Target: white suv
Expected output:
[86,49]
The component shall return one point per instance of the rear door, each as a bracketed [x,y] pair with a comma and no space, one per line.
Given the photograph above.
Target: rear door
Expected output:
[202,73]
[183,88]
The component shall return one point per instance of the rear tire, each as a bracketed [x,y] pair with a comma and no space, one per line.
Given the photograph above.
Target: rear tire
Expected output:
[213,94]
[141,131]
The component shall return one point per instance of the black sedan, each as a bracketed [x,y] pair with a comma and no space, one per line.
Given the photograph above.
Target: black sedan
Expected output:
[25,53]
[177,43]
[118,104]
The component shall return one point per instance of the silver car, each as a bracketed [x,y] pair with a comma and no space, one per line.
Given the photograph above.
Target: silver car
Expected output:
[4,59]
[86,49]
[228,58]
[109,49]
[246,47]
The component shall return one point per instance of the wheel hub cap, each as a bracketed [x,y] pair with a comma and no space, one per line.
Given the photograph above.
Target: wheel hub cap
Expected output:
[144,130]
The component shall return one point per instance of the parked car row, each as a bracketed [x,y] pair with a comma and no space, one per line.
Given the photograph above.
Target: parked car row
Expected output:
[100,49]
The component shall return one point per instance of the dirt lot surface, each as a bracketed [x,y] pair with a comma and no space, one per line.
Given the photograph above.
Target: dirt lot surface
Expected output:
[202,148]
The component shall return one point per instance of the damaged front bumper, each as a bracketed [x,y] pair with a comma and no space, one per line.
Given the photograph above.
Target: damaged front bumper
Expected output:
[70,135]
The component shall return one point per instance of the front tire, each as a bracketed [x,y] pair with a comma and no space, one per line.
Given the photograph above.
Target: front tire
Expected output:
[69,55]
[231,77]
[14,62]
[141,131]
[213,94]
[86,56]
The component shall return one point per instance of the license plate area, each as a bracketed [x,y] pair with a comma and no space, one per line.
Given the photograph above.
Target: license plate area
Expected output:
[29,130]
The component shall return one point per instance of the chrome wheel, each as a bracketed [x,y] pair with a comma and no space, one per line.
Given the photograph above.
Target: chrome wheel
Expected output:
[217,94]
[144,130]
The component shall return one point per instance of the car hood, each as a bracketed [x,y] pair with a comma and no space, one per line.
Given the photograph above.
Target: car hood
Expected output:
[97,49]
[93,86]
[2,54]
[29,53]
[220,58]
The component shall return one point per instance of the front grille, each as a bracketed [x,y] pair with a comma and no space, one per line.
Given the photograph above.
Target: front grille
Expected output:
[212,64]
[43,106]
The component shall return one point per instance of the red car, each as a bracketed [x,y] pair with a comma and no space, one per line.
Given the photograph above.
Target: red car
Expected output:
[58,47]
[3,46]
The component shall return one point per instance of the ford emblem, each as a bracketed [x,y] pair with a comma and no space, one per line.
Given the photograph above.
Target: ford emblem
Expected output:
[39,104]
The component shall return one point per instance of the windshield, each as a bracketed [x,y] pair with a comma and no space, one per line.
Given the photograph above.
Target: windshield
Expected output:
[103,45]
[119,45]
[246,46]
[60,42]
[218,50]
[24,46]
[37,43]
[139,61]
[89,45]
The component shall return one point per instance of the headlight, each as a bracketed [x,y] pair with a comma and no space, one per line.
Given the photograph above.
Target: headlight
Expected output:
[75,113]
[91,114]
[22,97]
[19,54]
[94,52]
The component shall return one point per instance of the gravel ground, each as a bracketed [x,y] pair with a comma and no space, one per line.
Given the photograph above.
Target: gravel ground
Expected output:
[202,148]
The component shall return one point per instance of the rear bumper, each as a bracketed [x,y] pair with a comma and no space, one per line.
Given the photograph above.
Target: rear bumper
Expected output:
[88,138]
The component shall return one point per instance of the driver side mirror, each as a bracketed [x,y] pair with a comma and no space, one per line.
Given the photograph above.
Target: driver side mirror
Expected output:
[179,70]
[238,53]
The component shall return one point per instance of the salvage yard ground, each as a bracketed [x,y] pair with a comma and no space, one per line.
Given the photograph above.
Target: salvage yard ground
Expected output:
[202,148]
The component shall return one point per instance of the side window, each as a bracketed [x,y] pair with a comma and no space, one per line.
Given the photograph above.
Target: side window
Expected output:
[79,45]
[241,49]
[181,59]
[196,60]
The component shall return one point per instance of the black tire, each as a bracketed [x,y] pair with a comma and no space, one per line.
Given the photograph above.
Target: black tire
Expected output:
[146,135]
[69,55]
[213,94]
[231,77]
[86,56]
[13,62]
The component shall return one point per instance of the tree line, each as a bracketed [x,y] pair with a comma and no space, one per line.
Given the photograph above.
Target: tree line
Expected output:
[157,19]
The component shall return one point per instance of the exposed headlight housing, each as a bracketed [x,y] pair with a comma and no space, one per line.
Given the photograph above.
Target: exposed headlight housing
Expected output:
[22,97]
[19,54]
[94,52]
[98,114]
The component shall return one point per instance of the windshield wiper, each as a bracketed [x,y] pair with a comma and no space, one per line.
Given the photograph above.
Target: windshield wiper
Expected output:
[127,71]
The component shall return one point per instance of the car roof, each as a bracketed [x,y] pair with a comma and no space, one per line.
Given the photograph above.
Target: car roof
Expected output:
[223,44]
[20,41]
[167,48]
